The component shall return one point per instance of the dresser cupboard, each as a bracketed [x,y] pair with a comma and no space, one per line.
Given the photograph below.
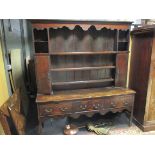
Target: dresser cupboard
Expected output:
[81,68]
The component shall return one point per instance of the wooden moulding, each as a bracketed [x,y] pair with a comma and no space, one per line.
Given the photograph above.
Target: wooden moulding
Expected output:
[81,68]
[145,127]
[42,67]
[80,53]
[85,53]
[82,82]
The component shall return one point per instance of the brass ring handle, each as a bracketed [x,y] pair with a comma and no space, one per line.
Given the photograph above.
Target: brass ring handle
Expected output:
[126,103]
[96,106]
[113,104]
[48,110]
[83,107]
[64,109]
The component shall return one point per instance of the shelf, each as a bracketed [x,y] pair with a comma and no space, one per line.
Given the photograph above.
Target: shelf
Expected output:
[81,68]
[40,41]
[84,53]
[123,41]
[82,82]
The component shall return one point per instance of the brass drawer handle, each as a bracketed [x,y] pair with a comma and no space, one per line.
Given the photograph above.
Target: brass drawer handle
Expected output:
[64,109]
[83,107]
[113,104]
[96,106]
[48,110]
[126,103]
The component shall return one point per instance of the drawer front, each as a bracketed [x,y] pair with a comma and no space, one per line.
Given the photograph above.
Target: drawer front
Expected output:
[96,104]
[61,108]
[121,101]
[100,104]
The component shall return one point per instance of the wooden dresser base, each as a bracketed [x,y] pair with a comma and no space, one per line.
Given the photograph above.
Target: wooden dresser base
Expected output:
[84,102]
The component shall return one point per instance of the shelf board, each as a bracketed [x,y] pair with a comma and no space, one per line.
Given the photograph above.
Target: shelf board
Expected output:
[40,41]
[83,53]
[123,41]
[81,68]
[82,82]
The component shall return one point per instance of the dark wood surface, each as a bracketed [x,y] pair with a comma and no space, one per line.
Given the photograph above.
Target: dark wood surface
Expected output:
[142,76]
[39,21]
[121,69]
[85,102]
[124,25]
[87,53]
[139,72]
[83,94]
[74,107]
[42,66]
[81,68]
[82,82]
[75,61]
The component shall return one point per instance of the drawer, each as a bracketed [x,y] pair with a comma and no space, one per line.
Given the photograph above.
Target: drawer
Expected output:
[52,109]
[123,101]
[102,103]
[112,102]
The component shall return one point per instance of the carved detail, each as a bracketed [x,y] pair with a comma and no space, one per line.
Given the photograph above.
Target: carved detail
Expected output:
[101,111]
[84,27]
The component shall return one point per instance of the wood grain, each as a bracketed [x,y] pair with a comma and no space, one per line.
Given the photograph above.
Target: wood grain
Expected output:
[82,94]
[141,52]
[42,66]
[121,70]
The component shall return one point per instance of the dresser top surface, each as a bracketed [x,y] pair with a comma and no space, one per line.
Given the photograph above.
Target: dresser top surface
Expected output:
[79,21]
[83,94]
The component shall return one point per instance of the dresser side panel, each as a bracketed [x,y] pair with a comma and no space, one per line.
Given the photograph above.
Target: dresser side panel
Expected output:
[139,71]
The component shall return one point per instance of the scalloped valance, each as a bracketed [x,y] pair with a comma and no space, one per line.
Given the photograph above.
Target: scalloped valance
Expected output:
[85,26]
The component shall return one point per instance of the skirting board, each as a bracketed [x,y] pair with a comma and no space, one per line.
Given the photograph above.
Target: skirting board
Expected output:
[144,128]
